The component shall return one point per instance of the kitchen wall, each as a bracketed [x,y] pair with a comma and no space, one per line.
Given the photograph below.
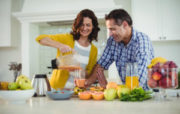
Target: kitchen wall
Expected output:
[13,53]
[167,49]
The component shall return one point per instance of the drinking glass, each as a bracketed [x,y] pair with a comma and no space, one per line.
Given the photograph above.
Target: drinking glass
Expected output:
[79,78]
[132,77]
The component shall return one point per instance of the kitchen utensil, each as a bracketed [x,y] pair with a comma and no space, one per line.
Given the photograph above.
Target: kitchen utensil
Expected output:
[69,61]
[41,84]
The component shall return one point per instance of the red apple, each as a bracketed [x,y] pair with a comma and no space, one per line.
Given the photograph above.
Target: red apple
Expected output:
[152,83]
[173,75]
[174,78]
[165,82]
[156,76]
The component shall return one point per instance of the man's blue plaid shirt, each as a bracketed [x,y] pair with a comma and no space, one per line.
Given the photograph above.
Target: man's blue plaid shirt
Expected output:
[139,49]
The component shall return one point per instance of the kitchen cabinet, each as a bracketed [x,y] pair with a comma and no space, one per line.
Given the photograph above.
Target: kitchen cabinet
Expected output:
[5,23]
[160,19]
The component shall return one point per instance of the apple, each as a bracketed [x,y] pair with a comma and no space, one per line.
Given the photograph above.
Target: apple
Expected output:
[110,94]
[165,82]
[174,78]
[152,83]
[156,76]
[12,86]
[21,77]
[25,84]
[123,90]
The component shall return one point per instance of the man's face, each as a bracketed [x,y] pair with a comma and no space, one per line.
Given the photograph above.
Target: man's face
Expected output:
[116,31]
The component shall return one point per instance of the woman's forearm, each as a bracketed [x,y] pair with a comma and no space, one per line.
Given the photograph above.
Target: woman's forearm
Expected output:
[62,47]
[48,42]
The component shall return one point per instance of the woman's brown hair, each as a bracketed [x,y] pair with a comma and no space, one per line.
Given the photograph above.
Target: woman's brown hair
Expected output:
[79,21]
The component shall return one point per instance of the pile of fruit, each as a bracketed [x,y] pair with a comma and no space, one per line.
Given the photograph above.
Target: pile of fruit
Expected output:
[163,74]
[22,83]
[95,92]
[113,91]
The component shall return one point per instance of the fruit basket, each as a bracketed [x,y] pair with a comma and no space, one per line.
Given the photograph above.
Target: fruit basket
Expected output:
[163,76]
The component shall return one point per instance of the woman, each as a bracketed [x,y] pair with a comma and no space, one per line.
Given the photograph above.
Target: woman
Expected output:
[84,30]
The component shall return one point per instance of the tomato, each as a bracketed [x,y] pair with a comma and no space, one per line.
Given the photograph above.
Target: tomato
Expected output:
[84,95]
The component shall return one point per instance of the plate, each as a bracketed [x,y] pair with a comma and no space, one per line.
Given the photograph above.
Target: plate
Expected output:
[60,94]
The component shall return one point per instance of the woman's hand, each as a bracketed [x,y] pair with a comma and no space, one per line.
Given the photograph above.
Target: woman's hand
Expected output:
[64,48]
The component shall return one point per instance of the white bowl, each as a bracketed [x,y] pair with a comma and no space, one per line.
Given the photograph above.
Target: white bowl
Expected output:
[16,95]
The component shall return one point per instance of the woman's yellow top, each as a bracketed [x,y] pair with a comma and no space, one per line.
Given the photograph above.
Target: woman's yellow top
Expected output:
[60,77]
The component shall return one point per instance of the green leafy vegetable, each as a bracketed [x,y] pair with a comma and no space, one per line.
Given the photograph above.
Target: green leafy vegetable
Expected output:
[137,94]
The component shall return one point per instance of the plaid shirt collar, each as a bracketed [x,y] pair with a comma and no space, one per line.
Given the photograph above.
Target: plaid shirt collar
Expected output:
[133,38]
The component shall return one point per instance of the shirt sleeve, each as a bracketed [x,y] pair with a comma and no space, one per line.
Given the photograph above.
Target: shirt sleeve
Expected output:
[107,57]
[57,37]
[144,56]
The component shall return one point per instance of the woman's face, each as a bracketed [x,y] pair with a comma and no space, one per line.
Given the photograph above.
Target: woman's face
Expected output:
[86,27]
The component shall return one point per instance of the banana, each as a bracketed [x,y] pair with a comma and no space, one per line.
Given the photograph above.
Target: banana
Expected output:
[156,60]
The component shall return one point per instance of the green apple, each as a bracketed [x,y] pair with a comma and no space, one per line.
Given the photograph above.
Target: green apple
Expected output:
[12,86]
[25,84]
[124,90]
[21,77]
[110,94]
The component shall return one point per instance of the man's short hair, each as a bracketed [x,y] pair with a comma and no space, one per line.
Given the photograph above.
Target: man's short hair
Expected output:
[119,15]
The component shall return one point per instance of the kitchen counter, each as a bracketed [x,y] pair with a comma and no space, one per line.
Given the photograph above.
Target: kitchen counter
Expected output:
[44,105]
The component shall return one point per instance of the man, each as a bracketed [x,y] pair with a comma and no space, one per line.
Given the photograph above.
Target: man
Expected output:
[125,44]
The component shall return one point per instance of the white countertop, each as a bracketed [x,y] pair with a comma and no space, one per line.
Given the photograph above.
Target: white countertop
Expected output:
[44,105]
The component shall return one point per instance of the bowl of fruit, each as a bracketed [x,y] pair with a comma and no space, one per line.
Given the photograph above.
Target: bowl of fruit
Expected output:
[163,75]
[17,92]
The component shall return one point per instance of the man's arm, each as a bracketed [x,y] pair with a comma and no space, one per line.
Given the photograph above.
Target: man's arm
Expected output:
[97,74]
[144,56]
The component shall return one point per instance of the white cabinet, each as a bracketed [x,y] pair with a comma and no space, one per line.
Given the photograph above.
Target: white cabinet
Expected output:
[5,23]
[160,19]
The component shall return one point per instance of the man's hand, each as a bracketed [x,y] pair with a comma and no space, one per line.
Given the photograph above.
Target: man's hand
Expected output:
[101,78]
[98,73]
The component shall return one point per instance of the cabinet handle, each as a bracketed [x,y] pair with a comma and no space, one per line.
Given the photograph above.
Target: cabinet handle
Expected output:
[164,38]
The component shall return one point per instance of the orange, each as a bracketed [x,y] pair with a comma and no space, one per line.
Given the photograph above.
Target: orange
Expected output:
[80,82]
[111,85]
[4,85]
[98,95]
[84,95]
[97,88]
